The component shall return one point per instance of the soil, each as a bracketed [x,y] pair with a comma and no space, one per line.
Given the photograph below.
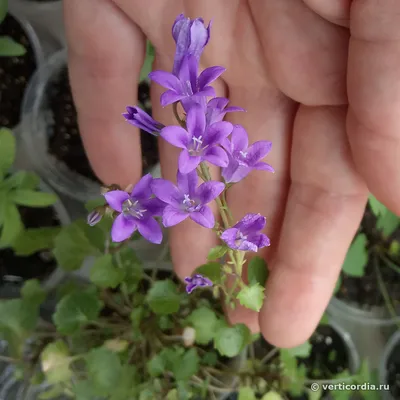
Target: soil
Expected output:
[393,372]
[364,291]
[15,73]
[38,265]
[65,143]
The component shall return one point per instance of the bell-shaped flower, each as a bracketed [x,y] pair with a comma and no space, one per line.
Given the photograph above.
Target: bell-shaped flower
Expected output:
[243,158]
[187,199]
[199,142]
[136,211]
[217,108]
[196,281]
[139,118]
[246,234]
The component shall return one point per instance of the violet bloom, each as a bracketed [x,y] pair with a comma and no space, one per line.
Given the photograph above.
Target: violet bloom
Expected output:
[139,118]
[196,281]
[137,211]
[243,159]
[217,108]
[186,199]
[191,36]
[246,235]
[187,87]
[199,142]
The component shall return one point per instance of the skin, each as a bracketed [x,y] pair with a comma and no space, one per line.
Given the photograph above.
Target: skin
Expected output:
[318,78]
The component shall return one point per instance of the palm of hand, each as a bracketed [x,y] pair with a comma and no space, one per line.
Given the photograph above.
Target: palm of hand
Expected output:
[287,66]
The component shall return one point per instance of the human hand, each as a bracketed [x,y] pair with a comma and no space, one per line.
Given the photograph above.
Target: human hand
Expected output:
[288,61]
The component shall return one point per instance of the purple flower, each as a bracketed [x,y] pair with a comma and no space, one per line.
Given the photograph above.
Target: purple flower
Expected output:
[186,199]
[137,210]
[196,281]
[94,218]
[216,109]
[199,142]
[187,87]
[191,36]
[245,235]
[243,159]
[139,118]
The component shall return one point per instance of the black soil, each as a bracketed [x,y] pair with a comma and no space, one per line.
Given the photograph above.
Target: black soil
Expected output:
[393,372]
[38,265]
[15,73]
[65,142]
[364,291]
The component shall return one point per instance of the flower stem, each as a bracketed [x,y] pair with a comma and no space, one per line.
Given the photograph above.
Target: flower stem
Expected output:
[176,114]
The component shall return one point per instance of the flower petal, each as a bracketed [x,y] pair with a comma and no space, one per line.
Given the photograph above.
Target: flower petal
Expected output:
[150,230]
[173,216]
[122,228]
[199,36]
[229,237]
[263,167]
[176,135]
[166,191]
[229,171]
[239,138]
[259,239]
[251,223]
[190,287]
[142,190]
[139,118]
[170,97]
[210,75]
[257,151]
[115,198]
[187,163]
[188,71]
[209,191]
[187,183]
[235,172]
[204,217]
[216,132]
[207,91]
[218,102]
[196,121]
[246,245]
[167,80]
[234,109]
[154,207]
[216,155]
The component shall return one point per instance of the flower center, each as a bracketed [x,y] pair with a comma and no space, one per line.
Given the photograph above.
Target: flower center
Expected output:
[197,145]
[133,209]
[242,158]
[189,204]
[240,238]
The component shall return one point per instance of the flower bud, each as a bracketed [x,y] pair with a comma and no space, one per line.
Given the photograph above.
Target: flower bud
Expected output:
[94,217]
[188,336]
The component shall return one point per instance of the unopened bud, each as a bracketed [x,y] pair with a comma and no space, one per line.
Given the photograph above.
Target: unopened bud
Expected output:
[109,188]
[188,336]
[94,218]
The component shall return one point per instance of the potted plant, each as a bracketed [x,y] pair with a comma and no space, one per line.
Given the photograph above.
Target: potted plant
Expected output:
[20,55]
[389,371]
[367,300]
[29,221]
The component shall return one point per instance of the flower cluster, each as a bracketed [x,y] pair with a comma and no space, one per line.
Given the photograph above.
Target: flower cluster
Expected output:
[204,138]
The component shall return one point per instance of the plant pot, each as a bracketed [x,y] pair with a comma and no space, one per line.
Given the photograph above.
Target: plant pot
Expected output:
[51,275]
[50,132]
[16,72]
[369,330]
[391,360]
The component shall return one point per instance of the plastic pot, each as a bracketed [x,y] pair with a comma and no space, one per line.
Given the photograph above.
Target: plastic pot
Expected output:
[393,343]
[35,132]
[370,330]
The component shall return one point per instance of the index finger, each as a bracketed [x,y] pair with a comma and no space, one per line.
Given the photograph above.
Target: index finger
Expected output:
[105,54]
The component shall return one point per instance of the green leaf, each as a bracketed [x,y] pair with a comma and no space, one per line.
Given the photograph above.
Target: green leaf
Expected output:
[302,351]
[357,257]
[72,247]
[33,292]
[217,252]
[314,394]
[204,320]
[12,224]
[32,240]
[3,9]
[186,366]
[257,271]
[272,396]
[246,393]
[55,361]
[103,369]
[75,310]
[22,180]
[83,390]
[94,203]
[376,206]
[157,365]
[251,297]
[231,340]
[105,274]
[10,48]
[130,265]
[33,198]
[211,270]
[148,61]
[338,285]
[324,320]
[293,376]
[7,150]
[127,383]
[163,297]
[172,395]
[388,223]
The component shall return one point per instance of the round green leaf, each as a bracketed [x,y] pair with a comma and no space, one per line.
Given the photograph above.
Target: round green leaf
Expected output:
[251,297]
[163,297]
[105,274]
[211,270]
[257,271]
[217,252]
[246,393]
[204,321]
[231,340]
[55,362]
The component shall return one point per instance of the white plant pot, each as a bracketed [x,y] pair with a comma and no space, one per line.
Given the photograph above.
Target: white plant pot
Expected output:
[392,344]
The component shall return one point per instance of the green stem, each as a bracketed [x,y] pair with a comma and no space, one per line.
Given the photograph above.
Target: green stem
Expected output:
[181,122]
[390,263]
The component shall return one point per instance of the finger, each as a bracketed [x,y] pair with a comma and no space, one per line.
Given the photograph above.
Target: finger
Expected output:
[105,51]
[324,208]
[335,11]
[374,96]
[306,55]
